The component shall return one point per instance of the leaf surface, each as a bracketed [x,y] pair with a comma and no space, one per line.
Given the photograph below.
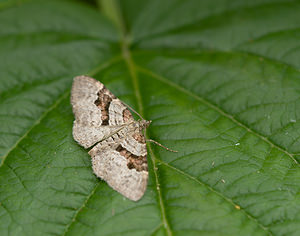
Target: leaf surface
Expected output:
[219,80]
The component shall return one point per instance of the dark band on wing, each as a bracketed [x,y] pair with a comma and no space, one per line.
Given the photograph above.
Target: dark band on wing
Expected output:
[127,116]
[134,162]
[103,101]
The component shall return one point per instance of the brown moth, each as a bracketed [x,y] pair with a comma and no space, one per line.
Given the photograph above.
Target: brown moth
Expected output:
[118,146]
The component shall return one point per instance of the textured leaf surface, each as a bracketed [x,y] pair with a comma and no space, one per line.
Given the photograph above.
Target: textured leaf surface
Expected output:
[221,82]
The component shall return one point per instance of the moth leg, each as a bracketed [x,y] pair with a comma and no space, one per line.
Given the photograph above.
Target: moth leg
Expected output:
[159,144]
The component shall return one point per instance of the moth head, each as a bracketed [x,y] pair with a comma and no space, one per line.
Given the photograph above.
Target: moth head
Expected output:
[145,123]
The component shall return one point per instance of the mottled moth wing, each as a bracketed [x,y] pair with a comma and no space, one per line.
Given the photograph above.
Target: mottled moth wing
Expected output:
[90,121]
[124,171]
[120,154]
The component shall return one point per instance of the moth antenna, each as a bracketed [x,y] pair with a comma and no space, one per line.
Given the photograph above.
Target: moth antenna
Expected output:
[157,143]
[133,110]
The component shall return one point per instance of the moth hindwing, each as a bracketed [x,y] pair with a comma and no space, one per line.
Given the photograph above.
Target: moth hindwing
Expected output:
[118,146]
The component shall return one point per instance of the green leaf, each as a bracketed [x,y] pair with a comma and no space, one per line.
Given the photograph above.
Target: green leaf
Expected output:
[219,79]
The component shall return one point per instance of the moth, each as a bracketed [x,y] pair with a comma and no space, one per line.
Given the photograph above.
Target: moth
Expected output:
[116,140]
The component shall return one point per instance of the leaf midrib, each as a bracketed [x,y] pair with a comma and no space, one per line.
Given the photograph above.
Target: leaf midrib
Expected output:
[132,70]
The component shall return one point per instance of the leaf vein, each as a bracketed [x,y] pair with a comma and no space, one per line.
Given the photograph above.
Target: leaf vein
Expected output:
[80,208]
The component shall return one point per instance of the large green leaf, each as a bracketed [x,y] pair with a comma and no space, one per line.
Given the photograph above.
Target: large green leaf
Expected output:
[220,80]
